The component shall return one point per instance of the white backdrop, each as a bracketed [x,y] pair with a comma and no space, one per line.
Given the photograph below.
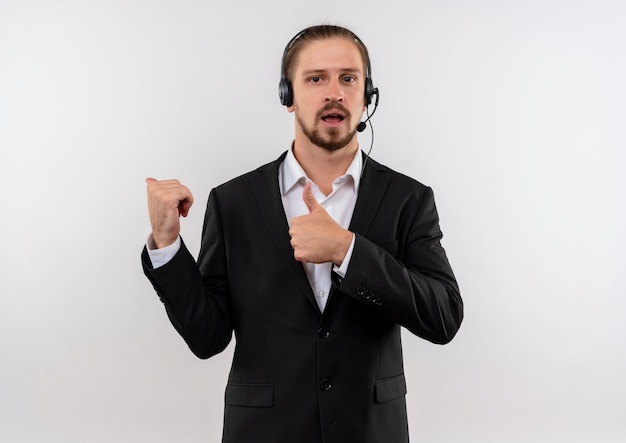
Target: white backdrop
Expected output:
[512,110]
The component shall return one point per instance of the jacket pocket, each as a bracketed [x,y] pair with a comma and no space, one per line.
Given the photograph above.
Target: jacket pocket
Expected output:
[252,396]
[390,388]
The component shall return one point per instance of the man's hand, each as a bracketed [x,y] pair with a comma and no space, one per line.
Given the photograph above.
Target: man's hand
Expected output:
[167,201]
[316,237]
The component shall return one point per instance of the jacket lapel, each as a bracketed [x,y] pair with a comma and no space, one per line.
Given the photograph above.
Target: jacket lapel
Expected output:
[372,189]
[267,193]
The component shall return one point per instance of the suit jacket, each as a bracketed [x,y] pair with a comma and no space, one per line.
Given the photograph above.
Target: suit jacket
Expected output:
[300,375]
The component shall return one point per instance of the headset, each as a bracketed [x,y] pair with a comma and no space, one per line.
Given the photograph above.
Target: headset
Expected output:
[285,89]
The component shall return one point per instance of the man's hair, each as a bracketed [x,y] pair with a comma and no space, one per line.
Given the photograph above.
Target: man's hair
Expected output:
[320,32]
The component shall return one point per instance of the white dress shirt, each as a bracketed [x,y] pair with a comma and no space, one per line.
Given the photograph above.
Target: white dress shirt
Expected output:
[339,204]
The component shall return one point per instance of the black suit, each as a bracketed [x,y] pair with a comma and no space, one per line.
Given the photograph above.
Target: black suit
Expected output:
[299,375]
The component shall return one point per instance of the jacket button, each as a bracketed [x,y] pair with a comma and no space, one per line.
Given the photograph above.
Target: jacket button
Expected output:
[323,333]
[326,385]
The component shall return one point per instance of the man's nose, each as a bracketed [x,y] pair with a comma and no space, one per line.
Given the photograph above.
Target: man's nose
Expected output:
[334,92]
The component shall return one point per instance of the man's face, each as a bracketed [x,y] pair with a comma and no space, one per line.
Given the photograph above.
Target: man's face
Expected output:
[328,85]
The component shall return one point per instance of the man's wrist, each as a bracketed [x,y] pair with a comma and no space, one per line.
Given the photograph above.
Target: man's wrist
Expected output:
[341,266]
[154,244]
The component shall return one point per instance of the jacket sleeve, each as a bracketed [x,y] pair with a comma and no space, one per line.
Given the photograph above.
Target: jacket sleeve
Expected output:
[196,303]
[411,282]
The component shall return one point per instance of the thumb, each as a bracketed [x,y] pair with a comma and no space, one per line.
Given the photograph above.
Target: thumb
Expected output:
[150,180]
[309,199]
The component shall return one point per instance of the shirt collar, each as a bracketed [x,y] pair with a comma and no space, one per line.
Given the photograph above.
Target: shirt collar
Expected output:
[292,173]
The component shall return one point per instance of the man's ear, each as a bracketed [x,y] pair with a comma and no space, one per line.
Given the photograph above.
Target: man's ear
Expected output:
[291,108]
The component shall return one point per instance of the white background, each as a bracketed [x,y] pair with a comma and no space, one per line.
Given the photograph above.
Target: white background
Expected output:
[513,111]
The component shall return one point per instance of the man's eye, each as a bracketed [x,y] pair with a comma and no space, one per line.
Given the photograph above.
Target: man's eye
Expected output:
[349,79]
[315,79]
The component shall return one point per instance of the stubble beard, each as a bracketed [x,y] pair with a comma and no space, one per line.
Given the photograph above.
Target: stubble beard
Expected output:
[331,140]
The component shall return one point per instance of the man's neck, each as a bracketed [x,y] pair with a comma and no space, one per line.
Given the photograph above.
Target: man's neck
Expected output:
[323,166]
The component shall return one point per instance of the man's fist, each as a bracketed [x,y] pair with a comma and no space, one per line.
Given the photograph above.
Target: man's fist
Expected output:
[316,237]
[167,201]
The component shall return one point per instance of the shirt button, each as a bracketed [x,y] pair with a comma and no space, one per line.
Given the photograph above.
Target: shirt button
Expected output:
[326,384]
[323,333]
[321,294]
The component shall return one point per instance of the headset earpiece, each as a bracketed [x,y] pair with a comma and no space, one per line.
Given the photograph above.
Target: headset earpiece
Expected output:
[369,90]
[285,92]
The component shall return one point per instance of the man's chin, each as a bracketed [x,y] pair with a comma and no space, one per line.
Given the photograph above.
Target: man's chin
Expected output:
[332,141]
[329,139]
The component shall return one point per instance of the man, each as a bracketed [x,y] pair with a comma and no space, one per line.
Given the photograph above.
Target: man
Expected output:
[315,261]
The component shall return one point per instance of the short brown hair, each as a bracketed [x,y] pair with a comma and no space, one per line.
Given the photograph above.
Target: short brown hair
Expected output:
[315,33]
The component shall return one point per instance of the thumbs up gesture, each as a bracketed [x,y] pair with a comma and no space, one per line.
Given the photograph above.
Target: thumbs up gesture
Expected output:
[316,237]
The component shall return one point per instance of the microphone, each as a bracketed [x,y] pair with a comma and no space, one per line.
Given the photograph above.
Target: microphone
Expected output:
[362,125]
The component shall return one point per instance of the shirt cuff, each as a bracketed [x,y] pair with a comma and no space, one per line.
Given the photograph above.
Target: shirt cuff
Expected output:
[161,256]
[341,270]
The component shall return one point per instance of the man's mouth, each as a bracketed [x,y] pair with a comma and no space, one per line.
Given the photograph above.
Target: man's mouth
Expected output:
[333,117]
[334,114]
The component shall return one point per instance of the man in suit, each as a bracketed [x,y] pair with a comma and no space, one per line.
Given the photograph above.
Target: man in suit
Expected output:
[315,261]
